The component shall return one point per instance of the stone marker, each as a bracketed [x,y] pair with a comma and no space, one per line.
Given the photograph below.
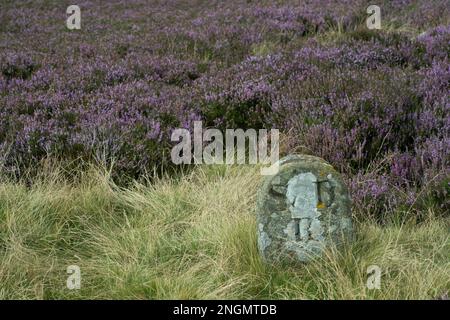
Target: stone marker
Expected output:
[301,210]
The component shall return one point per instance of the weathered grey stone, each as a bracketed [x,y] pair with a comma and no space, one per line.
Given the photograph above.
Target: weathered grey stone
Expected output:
[302,209]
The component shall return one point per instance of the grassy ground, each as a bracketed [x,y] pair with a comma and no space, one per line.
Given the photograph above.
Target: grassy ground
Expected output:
[193,238]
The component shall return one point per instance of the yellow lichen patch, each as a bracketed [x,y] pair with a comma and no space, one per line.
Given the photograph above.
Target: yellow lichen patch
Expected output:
[320,205]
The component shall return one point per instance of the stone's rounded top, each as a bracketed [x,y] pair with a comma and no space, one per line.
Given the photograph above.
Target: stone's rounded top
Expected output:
[302,209]
[303,158]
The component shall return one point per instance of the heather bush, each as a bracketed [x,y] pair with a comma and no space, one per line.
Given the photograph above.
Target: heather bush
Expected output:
[373,103]
[17,66]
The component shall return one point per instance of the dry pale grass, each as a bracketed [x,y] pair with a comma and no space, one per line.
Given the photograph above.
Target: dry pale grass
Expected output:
[193,237]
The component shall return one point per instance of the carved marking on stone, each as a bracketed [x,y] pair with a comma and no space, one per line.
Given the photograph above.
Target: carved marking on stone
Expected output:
[302,196]
[312,210]
[320,203]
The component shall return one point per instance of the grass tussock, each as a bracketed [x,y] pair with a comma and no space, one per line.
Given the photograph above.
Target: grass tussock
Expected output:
[193,238]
